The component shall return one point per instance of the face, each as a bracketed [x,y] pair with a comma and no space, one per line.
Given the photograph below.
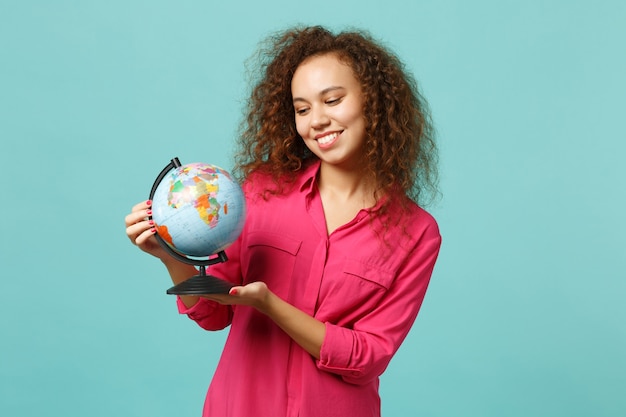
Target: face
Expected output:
[328,106]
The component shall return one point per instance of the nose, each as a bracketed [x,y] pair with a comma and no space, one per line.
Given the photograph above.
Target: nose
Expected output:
[319,118]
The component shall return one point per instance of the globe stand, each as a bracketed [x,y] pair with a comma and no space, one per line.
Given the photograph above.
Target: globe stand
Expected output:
[202,283]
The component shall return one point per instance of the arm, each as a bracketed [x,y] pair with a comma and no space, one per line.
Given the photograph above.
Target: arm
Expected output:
[141,232]
[361,352]
[304,329]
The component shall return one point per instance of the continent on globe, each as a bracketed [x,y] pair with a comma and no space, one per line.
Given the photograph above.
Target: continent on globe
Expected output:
[200,190]
[165,235]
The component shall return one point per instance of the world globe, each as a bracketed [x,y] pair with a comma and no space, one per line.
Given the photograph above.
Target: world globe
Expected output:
[198,209]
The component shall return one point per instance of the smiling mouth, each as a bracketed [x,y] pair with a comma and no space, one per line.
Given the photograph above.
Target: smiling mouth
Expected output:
[324,140]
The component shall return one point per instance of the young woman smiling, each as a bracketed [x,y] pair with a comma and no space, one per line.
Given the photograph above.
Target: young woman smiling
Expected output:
[335,156]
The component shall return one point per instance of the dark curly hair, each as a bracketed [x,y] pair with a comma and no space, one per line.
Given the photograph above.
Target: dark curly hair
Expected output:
[400,151]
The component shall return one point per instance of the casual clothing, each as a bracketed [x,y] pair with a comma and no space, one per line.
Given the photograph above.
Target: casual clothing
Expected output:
[366,292]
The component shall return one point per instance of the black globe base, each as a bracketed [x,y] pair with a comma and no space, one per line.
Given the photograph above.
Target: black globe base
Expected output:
[201,285]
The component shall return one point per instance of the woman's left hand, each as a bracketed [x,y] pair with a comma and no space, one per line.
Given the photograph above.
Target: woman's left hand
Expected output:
[254,294]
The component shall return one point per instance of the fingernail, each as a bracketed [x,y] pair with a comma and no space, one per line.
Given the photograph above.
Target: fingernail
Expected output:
[149,212]
[149,202]
[153,230]
[151,222]
[233,291]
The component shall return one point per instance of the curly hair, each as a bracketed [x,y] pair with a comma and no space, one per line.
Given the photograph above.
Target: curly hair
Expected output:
[400,151]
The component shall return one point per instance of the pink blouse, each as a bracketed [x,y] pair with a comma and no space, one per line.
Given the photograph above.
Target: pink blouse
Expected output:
[367,293]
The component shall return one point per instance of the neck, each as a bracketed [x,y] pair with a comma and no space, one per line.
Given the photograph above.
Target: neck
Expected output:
[345,184]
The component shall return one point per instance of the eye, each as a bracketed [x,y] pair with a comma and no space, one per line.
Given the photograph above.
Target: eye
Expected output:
[301,110]
[333,101]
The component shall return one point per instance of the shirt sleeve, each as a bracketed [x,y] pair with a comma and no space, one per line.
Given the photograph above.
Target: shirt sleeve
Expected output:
[362,353]
[208,314]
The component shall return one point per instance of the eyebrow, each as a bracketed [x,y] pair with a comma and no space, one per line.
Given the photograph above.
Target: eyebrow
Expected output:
[323,92]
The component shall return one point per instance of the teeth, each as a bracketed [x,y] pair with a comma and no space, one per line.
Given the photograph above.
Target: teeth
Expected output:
[327,139]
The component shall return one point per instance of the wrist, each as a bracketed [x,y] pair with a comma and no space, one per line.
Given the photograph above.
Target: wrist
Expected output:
[267,303]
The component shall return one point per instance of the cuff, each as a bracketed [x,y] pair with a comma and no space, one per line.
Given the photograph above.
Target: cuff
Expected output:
[337,350]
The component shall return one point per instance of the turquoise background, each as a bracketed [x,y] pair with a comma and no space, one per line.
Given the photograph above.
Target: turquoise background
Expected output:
[525,315]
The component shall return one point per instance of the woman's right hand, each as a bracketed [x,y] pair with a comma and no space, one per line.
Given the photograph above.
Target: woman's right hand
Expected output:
[140,230]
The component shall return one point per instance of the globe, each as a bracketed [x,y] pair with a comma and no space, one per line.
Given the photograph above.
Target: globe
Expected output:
[198,209]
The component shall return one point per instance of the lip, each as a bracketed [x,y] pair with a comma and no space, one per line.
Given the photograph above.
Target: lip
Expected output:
[327,145]
[321,135]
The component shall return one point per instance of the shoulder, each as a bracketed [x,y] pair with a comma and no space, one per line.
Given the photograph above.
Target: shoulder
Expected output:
[422,217]
[257,181]
[412,214]
[409,224]
[266,183]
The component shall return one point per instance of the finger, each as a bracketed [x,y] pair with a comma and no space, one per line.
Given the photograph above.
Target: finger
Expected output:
[142,206]
[144,236]
[136,230]
[137,216]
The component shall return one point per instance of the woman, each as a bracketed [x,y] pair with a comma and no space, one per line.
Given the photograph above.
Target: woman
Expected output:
[336,255]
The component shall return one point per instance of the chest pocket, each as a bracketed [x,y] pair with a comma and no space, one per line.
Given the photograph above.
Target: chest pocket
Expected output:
[352,293]
[369,273]
[271,259]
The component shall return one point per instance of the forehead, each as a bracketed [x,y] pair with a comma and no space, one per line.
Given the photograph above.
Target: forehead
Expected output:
[321,71]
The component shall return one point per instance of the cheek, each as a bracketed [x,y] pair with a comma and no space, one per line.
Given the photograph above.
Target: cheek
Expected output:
[301,127]
[355,115]
[349,114]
